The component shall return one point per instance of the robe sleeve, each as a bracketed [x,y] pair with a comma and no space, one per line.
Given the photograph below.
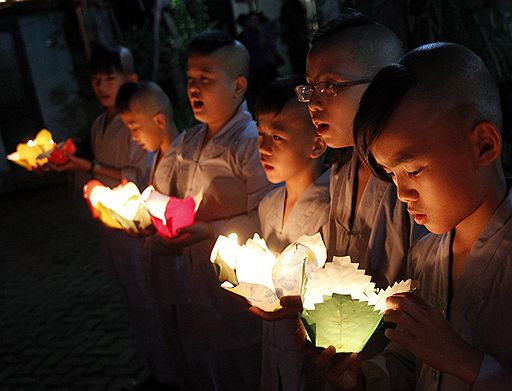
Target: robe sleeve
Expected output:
[394,369]
[137,169]
[492,375]
[248,166]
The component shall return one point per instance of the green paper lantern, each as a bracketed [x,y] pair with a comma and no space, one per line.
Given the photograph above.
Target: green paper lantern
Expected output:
[342,322]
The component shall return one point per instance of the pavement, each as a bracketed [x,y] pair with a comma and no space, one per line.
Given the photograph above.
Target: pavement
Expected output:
[63,324]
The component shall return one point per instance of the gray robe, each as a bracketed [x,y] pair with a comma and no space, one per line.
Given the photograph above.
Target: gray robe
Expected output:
[113,147]
[164,281]
[479,310]
[282,360]
[222,339]
[381,232]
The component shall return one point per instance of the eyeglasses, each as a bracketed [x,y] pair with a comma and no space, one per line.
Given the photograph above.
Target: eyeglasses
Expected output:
[325,88]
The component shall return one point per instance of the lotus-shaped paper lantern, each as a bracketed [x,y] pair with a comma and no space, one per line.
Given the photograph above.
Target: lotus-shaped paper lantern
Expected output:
[119,208]
[27,154]
[342,307]
[169,214]
[254,272]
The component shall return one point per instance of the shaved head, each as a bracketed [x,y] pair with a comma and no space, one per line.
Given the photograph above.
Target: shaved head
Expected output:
[144,97]
[234,54]
[446,79]
[368,44]
[451,75]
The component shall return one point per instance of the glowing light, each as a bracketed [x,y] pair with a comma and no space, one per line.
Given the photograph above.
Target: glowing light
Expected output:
[27,154]
[338,290]
[254,272]
[169,214]
[119,208]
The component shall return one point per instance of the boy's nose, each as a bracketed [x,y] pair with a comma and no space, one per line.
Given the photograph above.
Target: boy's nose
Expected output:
[315,102]
[406,192]
[192,86]
[264,145]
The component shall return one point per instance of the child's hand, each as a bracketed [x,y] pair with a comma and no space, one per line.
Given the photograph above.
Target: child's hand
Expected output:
[139,232]
[423,330]
[292,307]
[73,164]
[341,370]
[41,169]
[187,236]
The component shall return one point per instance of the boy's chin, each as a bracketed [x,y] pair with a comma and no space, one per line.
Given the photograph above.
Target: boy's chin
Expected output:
[273,179]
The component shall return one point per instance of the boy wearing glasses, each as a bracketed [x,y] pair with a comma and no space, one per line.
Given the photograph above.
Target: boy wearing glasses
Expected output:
[366,220]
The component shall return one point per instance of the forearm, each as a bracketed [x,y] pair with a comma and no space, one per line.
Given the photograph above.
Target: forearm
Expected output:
[465,364]
[98,169]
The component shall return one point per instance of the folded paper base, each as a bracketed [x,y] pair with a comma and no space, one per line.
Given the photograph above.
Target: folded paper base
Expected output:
[342,322]
[257,295]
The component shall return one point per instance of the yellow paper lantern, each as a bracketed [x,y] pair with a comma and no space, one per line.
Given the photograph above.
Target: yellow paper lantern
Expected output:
[118,208]
[27,154]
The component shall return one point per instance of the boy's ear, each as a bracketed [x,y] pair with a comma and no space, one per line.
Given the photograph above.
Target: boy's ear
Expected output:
[160,119]
[319,147]
[486,141]
[133,77]
[240,86]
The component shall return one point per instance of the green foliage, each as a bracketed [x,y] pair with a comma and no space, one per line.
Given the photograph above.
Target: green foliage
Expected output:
[181,21]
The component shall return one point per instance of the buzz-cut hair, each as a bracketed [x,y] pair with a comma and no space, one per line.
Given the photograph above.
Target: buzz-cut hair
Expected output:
[371,44]
[276,95]
[208,42]
[237,57]
[346,19]
[445,76]
[110,59]
[150,95]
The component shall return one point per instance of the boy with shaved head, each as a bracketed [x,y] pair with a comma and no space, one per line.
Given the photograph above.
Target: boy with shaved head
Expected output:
[146,110]
[219,157]
[431,123]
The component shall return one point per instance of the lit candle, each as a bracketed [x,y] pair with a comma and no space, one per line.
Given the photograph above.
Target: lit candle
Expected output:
[254,272]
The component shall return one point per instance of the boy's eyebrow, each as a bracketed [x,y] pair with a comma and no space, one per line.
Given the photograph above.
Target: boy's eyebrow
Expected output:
[203,70]
[397,160]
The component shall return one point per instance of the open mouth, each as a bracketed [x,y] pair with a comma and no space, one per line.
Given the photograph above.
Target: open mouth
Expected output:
[197,104]
[419,218]
[266,166]
[322,128]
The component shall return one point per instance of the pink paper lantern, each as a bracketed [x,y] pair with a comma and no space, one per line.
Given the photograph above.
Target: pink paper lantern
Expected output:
[179,213]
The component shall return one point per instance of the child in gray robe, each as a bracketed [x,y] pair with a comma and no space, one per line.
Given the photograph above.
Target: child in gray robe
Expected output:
[290,152]
[220,158]
[431,123]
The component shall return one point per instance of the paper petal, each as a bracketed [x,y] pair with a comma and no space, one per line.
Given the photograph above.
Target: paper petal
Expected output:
[257,295]
[341,321]
[179,213]
[224,271]
[254,265]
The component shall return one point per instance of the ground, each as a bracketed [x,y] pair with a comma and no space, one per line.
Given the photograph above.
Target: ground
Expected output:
[63,324]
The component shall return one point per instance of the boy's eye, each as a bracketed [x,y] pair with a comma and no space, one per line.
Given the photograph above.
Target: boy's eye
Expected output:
[276,137]
[414,173]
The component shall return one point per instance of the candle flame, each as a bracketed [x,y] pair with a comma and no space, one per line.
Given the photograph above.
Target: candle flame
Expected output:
[31,143]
